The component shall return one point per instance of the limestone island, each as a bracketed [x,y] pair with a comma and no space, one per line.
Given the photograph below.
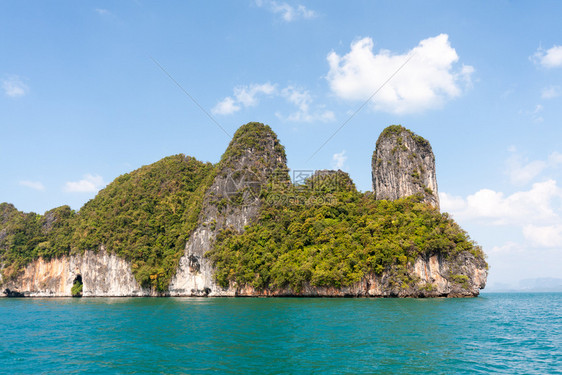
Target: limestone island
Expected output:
[241,227]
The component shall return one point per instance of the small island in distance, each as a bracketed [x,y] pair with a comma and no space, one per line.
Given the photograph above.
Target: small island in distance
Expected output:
[181,227]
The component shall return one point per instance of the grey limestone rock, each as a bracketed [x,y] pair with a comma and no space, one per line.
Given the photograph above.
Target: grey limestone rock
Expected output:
[254,158]
[403,164]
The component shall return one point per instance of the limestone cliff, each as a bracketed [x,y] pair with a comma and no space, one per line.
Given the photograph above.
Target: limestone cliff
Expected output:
[102,275]
[106,275]
[434,276]
[403,164]
[253,158]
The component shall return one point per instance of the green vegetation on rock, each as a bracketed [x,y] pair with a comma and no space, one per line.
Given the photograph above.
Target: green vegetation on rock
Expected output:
[27,236]
[333,239]
[397,130]
[146,216]
[76,290]
[254,137]
[326,181]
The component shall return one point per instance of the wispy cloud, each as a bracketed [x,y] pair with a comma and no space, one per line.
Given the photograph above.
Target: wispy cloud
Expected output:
[244,96]
[550,58]
[550,92]
[36,185]
[103,12]
[521,170]
[14,87]
[249,95]
[534,212]
[89,184]
[427,81]
[288,13]
[302,99]
[338,160]
[543,236]
[535,113]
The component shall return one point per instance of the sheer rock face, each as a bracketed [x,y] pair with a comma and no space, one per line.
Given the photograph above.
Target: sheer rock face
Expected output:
[253,158]
[102,274]
[106,275]
[403,164]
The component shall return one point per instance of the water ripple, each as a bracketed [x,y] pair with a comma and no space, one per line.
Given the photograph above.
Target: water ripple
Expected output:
[499,333]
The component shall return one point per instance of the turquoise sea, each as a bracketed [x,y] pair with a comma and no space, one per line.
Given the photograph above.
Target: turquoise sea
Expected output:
[494,333]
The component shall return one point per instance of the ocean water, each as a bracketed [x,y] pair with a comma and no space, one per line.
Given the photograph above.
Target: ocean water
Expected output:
[494,333]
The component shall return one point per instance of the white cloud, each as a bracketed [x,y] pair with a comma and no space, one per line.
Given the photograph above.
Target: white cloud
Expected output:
[521,174]
[299,97]
[302,100]
[535,113]
[551,58]
[508,248]
[89,184]
[521,171]
[36,185]
[14,87]
[338,160]
[287,12]
[226,106]
[555,159]
[550,92]
[543,236]
[534,206]
[244,96]
[248,96]
[466,74]
[535,213]
[450,203]
[425,82]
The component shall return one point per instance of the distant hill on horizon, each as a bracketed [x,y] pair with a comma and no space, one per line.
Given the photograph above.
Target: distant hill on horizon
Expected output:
[532,285]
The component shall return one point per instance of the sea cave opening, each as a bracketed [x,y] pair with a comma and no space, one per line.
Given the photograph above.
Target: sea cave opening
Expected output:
[77,286]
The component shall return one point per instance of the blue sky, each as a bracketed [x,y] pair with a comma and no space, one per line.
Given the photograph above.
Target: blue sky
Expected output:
[83,100]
